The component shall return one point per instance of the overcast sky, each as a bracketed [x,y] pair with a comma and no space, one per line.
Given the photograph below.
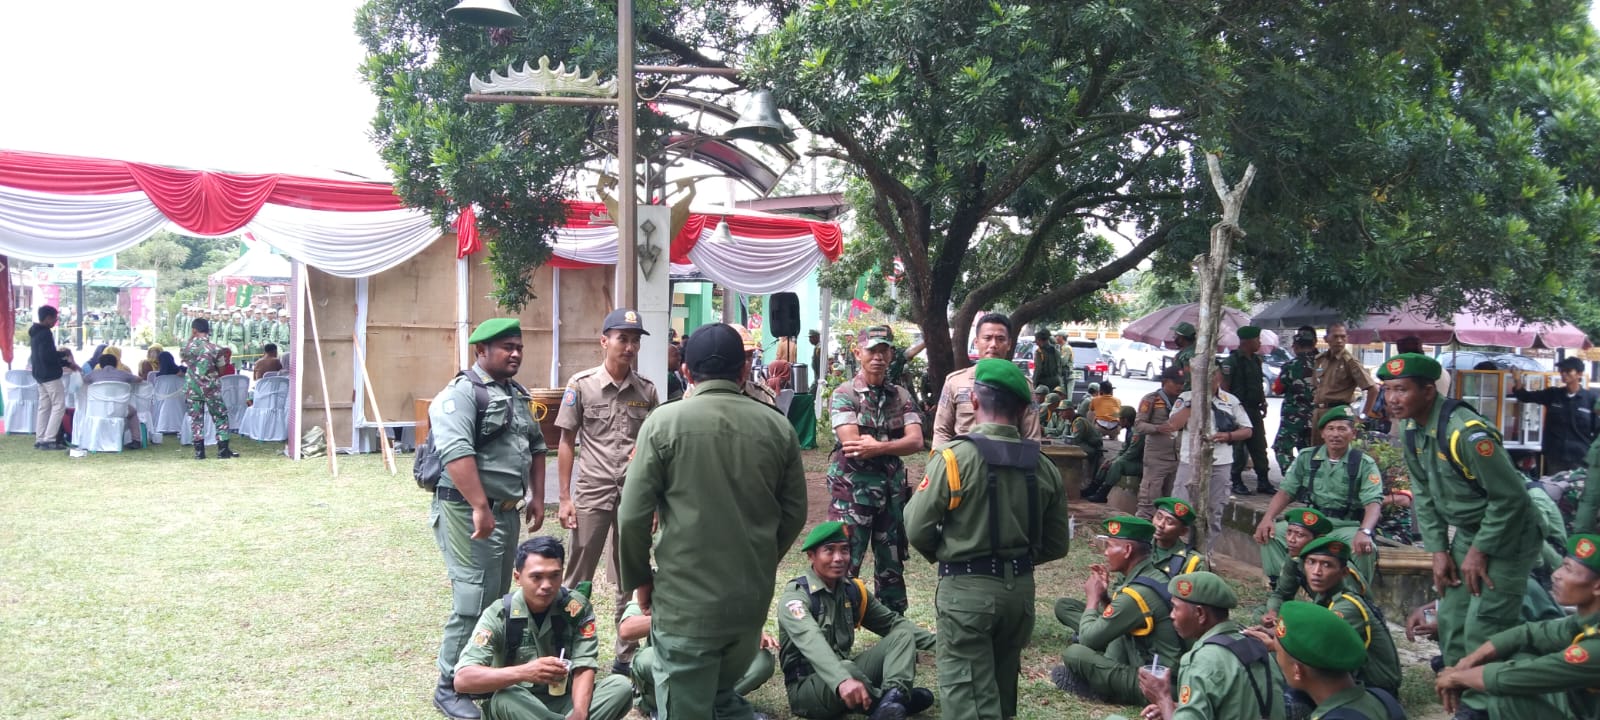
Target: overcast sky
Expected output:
[218,84]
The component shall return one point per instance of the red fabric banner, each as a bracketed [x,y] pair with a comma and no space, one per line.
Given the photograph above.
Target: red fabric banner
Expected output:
[467,240]
[8,316]
[202,202]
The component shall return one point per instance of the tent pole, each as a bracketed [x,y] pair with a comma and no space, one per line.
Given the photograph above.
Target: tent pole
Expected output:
[322,371]
[372,399]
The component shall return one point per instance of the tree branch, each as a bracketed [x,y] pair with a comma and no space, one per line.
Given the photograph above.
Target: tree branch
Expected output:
[1097,280]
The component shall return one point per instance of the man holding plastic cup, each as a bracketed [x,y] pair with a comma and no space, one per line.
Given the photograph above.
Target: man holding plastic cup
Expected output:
[1226,674]
[534,652]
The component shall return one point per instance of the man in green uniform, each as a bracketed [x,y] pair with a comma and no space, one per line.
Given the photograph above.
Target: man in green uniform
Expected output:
[1124,625]
[492,459]
[1183,335]
[1242,376]
[280,332]
[236,332]
[874,423]
[1463,481]
[1055,423]
[635,628]
[818,615]
[1539,661]
[1326,562]
[1129,461]
[535,654]
[1046,361]
[1226,675]
[202,390]
[990,508]
[1317,652]
[1169,549]
[722,472]
[1303,526]
[1341,483]
[1298,381]
[1082,432]
[1069,376]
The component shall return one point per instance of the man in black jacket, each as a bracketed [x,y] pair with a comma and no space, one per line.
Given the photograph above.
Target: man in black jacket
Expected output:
[48,364]
[1570,424]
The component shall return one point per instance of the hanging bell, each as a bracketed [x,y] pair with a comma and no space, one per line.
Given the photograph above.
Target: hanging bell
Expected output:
[486,13]
[761,123]
[722,235]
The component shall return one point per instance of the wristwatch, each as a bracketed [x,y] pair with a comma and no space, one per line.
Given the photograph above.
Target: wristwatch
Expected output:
[1366,531]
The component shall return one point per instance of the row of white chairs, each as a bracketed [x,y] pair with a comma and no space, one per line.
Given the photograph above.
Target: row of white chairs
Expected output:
[102,408]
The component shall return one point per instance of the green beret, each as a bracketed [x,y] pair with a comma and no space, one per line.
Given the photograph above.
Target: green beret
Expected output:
[1309,519]
[1407,365]
[1327,545]
[1093,387]
[1316,636]
[1204,588]
[828,532]
[1052,399]
[1179,509]
[1127,413]
[1040,390]
[1128,527]
[1002,375]
[494,329]
[1337,412]
[1184,329]
[1248,332]
[1585,548]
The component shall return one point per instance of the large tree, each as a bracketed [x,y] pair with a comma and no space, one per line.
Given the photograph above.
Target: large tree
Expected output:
[1443,148]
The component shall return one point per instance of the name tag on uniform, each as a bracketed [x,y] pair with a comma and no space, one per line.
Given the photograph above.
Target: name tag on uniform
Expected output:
[638,403]
[964,395]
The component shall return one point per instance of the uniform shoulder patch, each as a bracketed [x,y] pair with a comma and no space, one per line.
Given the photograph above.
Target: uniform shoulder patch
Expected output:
[924,484]
[481,638]
[1576,655]
[1109,611]
[1375,479]
[1485,447]
[449,405]
[570,397]
[588,630]
[574,607]
[1184,695]
[797,609]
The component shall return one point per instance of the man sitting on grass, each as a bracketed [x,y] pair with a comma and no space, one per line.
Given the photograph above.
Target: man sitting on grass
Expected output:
[534,652]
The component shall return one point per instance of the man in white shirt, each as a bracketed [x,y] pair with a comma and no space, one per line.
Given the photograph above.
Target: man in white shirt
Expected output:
[1222,438]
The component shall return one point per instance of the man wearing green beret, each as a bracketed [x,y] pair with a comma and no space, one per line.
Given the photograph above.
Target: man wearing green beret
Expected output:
[1318,652]
[1183,335]
[1302,526]
[1463,481]
[1129,461]
[1169,550]
[1123,624]
[1539,662]
[1242,376]
[1046,361]
[1326,562]
[1225,674]
[989,509]
[1297,379]
[493,463]
[1342,483]
[818,615]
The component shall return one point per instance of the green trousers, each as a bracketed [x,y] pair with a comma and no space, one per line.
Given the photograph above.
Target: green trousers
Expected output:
[983,625]
[479,570]
[1275,554]
[644,677]
[1467,621]
[1112,679]
[612,696]
[695,677]
[1108,477]
[891,663]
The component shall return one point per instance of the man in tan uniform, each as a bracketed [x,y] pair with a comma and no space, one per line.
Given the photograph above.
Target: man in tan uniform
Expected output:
[1160,440]
[753,387]
[1338,375]
[601,411]
[954,414]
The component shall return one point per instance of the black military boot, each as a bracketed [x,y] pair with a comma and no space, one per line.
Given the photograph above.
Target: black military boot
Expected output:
[199,448]
[223,451]
[454,705]
[891,706]
[1264,486]
[1240,489]
[919,700]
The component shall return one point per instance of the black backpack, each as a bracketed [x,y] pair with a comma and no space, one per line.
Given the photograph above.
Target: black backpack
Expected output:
[1352,469]
[1390,706]
[428,468]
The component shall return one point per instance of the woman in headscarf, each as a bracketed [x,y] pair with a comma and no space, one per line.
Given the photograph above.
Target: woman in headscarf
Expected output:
[151,362]
[116,352]
[94,357]
[778,375]
[167,365]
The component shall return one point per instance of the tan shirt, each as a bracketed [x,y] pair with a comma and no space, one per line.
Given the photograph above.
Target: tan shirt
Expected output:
[1338,377]
[606,416]
[1154,409]
[954,414]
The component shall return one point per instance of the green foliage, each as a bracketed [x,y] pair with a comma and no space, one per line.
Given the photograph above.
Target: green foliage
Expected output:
[182,264]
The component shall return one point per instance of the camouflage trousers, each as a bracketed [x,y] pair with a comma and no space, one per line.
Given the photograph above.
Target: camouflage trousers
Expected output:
[872,506]
[203,399]
[1294,434]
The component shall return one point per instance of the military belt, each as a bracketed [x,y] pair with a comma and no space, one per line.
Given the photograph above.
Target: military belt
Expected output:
[450,494]
[991,566]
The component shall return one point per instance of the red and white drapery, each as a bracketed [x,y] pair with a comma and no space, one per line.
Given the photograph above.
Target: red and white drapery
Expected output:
[56,208]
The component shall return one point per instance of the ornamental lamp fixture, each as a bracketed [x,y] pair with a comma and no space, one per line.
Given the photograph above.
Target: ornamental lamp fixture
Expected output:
[486,13]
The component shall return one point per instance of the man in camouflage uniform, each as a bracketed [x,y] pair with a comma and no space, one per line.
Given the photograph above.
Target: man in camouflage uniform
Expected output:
[1298,378]
[874,423]
[202,390]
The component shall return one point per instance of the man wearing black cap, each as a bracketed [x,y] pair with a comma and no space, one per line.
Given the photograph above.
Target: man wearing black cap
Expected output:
[493,455]
[1242,376]
[723,474]
[601,411]
[1570,423]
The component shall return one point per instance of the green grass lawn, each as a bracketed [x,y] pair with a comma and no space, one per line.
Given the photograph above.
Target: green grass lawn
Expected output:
[149,585]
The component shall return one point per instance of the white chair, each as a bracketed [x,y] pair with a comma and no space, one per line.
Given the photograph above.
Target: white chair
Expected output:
[235,397]
[186,436]
[78,401]
[267,418]
[100,421]
[169,409]
[785,399]
[144,403]
[22,401]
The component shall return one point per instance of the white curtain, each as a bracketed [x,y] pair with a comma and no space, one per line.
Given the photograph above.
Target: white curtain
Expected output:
[756,266]
[45,227]
[346,244]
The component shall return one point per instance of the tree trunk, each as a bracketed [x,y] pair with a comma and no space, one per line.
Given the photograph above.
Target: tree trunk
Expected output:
[936,338]
[1212,276]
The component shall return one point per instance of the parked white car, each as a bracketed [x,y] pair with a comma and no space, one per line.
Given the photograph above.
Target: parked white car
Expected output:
[1142,359]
